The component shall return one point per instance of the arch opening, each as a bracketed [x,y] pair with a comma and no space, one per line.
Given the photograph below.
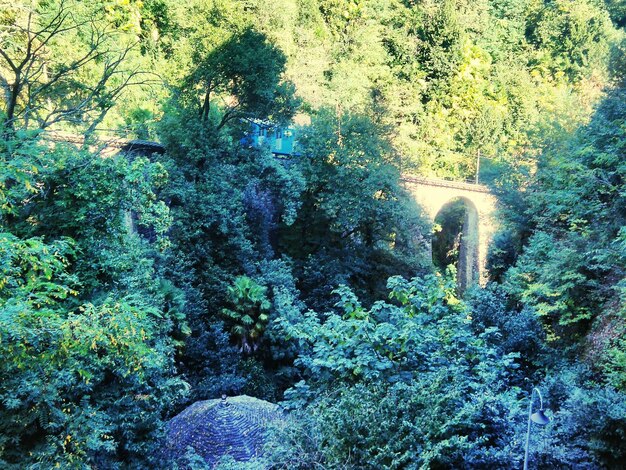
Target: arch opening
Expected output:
[455,241]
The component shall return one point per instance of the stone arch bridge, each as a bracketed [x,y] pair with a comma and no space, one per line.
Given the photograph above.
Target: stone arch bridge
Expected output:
[431,194]
[479,226]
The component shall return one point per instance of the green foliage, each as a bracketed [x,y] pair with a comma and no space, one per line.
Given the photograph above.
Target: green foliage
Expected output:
[85,387]
[505,247]
[615,362]
[18,172]
[64,62]
[87,327]
[570,275]
[99,202]
[450,78]
[439,42]
[386,340]
[572,261]
[227,202]
[550,276]
[78,386]
[29,266]
[296,442]
[518,331]
[617,10]
[572,37]
[248,312]
[402,384]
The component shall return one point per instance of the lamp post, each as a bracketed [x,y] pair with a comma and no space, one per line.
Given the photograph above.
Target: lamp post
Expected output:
[538,417]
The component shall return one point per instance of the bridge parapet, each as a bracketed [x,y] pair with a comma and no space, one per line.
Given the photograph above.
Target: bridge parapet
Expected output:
[107,145]
[444,183]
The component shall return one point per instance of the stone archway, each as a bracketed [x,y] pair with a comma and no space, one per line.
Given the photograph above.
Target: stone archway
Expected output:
[433,194]
[456,240]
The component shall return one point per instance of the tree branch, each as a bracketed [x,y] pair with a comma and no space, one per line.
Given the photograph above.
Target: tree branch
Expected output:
[41,80]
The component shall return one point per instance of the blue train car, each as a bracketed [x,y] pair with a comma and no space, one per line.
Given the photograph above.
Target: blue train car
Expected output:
[281,140]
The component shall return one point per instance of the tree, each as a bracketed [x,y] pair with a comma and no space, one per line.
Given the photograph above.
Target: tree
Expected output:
[357,225]
[62,62]
[245,74]
[227,201]
[70,192]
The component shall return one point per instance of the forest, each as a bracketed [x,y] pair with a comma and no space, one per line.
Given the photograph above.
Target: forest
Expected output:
[133,285]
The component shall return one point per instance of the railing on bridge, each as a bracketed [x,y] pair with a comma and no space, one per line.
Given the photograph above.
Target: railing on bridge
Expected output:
[444,183]
[128,145]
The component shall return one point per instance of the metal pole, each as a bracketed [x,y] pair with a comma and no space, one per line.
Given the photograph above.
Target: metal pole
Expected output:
[530,412]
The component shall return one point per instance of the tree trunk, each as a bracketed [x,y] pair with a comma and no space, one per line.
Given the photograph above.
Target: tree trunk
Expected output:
[204,110]
[15,92]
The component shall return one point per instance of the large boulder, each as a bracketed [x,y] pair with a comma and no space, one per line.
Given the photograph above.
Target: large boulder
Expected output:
[234,426]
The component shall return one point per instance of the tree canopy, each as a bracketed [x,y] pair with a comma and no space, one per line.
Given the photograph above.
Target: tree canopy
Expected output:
[136,279]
